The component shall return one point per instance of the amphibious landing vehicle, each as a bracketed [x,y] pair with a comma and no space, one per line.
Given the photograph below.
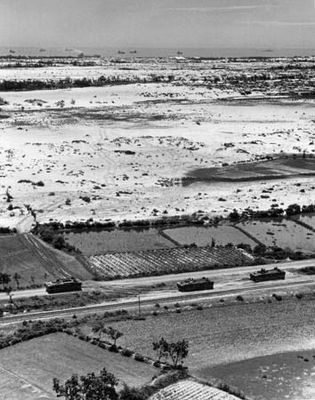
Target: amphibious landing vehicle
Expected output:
[267,275]
[63,285]
[190,285]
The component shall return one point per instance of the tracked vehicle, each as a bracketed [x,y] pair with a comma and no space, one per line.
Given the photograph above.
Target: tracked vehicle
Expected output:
[63,285]
[191,285]
[267,275]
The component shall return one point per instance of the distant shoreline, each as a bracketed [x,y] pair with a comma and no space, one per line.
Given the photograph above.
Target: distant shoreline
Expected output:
[156,52]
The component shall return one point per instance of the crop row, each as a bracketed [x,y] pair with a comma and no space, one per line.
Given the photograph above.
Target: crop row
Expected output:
[153,262]
[190,390]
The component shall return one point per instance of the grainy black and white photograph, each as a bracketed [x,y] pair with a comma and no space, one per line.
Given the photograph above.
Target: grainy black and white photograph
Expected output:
[157,199]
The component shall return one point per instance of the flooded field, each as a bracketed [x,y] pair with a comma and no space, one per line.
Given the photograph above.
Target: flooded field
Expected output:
[204,236]
[99,242]
[308,219]
[277,377]
[284,233]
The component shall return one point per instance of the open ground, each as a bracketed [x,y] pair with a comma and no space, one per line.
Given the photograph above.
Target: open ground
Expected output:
[119,141]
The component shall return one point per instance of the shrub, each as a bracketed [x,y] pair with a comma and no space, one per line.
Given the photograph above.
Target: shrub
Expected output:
[127,352]
[139,357]
[293,209]
[130,393]
[85,198]
[39,183]
[239,298]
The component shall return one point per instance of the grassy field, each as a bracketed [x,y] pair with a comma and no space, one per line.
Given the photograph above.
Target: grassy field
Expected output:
[227,333]
[27,369]
[35,261]
[100,242]
[203,236]
[277,377]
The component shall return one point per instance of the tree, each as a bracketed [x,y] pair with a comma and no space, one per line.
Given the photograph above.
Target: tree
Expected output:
[88,387]
[260,250]
[293,209]
[8,291]
[160,347]
[4,279]
[98,328]
[132,393]
[176,351]
[59,242]
[114,334]
[17,278]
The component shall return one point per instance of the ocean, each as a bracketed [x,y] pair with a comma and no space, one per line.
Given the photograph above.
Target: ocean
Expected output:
[155,52]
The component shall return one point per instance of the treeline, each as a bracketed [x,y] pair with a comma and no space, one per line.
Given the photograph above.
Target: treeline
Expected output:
[42,64]
[68,83]
[197,218]
[7,230]
[273,212]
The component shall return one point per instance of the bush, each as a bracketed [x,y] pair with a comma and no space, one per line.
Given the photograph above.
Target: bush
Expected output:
[85,198]
[39,183]
[293,209]
[239,298]
[127,352]
[113,348]
[130,393]
[139,357]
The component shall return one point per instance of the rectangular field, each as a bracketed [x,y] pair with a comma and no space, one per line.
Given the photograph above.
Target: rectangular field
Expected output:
[27,369]
[223,334]
[284,234]
[158,262]
[99,242]
[308,219]
[203,236]
[35,261]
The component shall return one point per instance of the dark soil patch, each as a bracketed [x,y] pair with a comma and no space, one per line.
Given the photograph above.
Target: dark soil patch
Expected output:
[287,166]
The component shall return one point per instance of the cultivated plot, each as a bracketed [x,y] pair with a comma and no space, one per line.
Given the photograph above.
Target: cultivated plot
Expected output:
[284,234]
[30,367]
[100,242]
[203,236]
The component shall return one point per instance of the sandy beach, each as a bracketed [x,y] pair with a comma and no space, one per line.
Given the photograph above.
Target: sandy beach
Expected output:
[129,148]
